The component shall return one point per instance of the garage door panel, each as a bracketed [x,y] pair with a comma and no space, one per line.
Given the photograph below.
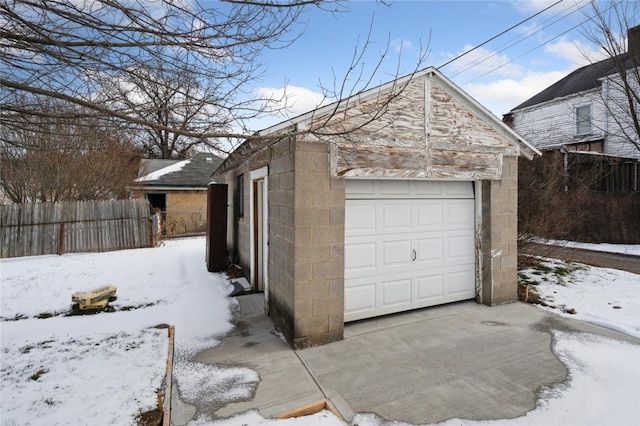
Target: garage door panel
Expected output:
[429,287]
[430,249]
[359,256]
[395,253]
[431,189]
[459,190]
[393,188]
[460,214]
[360,218]
[359,297]
[429,215]
[461,247]
[395,292]
[411,245]
[361,188]
[396,217]
[459,283]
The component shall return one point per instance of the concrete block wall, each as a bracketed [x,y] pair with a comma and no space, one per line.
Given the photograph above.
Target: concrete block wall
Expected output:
[500,236]
[281,186]
[319,248]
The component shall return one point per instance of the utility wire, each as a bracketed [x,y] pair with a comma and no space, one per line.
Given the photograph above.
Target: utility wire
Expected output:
[540,45]
[498,35]
[529,51]
[519,39]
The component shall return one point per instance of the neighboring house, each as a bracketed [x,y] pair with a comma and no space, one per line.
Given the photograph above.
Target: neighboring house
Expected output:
[178,189]
[415,208]
[586,116]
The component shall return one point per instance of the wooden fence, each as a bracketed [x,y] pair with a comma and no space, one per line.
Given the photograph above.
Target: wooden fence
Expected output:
[73,227]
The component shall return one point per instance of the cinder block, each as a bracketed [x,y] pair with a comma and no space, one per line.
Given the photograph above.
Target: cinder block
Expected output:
[336,321]
[324,338]
[303,272]
[327,270]
[287,180]
[336,252]
[305,197]
[336,216]
[302,233]
[329,305]
[509,261]
[327,235]
[318,289]
[336,287]
[312,161]
[308,326]
[288,233]
[312,180]
[312,147]
[302,309]
[313,216]
[313,253]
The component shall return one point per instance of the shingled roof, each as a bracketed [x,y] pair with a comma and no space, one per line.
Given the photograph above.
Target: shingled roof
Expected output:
[590,76]
[192,173]
[582,79]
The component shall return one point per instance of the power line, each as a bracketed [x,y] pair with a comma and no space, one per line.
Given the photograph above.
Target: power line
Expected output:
[528,51]
[519,39]
[538,46]
[498,35]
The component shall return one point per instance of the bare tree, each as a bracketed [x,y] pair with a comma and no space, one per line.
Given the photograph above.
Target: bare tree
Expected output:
[65,159]
[613,30]
[179,70]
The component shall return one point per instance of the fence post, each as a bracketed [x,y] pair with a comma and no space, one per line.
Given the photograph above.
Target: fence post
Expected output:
[61,239]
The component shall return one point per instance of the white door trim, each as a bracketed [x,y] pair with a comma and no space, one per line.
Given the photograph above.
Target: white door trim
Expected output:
[260,175]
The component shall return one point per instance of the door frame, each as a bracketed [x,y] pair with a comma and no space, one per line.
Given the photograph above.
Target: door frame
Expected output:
[259,224]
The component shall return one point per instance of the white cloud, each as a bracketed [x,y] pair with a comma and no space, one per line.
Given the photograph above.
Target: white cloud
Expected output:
[500,96]
[576,52]
[400,45]
[527,6]
[291,100]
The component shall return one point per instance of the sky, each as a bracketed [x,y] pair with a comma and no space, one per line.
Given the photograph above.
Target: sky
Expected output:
[500,75]
[48,362]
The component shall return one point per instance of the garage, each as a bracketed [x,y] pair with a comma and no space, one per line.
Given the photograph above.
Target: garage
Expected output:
[408,244]
[378,214]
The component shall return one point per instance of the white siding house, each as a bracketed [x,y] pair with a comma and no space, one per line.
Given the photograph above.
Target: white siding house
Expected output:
[585,111]
[555,123]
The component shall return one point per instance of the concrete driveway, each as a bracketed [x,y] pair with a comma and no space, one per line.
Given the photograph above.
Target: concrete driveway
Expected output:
[461,360]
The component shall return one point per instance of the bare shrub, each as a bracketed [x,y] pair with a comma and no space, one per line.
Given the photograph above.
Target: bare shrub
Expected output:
[553,200]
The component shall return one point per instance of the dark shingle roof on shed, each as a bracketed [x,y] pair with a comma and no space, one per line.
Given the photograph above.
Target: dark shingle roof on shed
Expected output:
[195,172]
[585,78]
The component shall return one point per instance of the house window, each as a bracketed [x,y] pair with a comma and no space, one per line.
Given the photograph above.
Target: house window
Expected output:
[583,120]
[239,196]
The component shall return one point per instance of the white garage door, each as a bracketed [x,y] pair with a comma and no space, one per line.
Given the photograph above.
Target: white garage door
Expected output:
[408,245]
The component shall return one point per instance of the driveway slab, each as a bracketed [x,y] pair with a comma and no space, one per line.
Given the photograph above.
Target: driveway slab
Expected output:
[461,360]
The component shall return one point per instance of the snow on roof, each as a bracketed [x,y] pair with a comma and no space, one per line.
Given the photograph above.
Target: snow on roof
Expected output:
[164,171]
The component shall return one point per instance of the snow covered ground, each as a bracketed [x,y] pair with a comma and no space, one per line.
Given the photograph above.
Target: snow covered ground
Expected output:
[633,249]
[106,368]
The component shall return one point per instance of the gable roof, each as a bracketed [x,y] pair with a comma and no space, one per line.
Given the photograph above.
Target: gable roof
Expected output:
[583,79]
[149,165]
[192,173]
[305,120]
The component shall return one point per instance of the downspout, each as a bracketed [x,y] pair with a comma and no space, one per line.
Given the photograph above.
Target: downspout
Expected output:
[607,111]
[565,157]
